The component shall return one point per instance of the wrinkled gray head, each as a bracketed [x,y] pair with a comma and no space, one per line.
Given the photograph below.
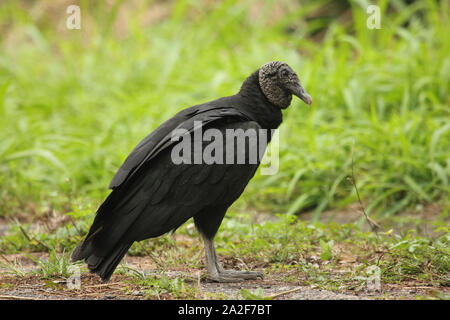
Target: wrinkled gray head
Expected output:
[279,82]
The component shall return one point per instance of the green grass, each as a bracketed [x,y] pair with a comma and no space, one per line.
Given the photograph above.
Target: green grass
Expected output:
[57,265]
[157,286]
[73,103]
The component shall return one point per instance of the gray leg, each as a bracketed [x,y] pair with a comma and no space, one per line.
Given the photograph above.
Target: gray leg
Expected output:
[217,273]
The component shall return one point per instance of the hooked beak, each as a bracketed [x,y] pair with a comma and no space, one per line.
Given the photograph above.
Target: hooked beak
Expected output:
[297,89]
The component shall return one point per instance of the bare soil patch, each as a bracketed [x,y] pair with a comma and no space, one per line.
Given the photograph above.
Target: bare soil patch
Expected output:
[275,285]
[291,284]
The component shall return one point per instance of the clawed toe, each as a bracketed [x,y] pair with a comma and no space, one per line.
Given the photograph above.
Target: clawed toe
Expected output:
[221,278]
[235,276]
[247,275]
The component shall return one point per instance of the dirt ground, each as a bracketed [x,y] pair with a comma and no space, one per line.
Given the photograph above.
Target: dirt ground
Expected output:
[36,287]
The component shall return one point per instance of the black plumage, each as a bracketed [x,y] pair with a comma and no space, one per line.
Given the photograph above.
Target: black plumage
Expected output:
[152,196]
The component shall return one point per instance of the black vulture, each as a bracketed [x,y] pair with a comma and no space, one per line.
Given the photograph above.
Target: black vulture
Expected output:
[152,194]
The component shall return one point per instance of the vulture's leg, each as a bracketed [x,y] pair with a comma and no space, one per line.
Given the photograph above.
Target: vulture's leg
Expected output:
[208,222]
[217,273]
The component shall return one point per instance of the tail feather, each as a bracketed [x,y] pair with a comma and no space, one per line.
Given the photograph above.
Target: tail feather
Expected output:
[103,266]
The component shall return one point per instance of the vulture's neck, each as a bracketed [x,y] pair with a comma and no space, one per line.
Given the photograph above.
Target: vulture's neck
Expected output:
[254,103]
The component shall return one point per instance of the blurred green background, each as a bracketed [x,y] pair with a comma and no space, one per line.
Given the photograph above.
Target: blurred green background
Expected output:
[73,103]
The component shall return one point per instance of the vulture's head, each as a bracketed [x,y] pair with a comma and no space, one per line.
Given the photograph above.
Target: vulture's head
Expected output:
[279,82]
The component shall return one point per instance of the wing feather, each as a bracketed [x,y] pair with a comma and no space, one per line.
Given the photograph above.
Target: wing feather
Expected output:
[161,138]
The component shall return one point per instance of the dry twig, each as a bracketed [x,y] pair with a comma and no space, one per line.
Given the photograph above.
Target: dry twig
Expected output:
[373,225]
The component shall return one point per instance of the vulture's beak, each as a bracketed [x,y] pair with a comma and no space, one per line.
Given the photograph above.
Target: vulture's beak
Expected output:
[297,89]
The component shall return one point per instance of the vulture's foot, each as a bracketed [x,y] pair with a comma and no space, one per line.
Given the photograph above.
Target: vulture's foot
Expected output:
[217,273]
